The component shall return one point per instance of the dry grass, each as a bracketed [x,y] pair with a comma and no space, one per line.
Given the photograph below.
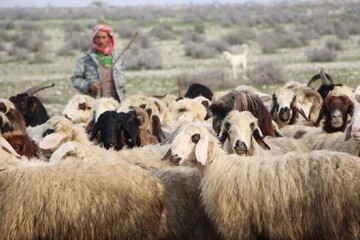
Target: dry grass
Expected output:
[16,77]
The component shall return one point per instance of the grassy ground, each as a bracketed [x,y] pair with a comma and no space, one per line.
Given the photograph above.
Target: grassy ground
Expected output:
[16,77]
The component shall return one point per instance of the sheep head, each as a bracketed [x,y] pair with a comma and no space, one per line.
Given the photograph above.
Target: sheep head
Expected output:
[79,109]
[335,110]
[284,107]
[189,145]
[239,132]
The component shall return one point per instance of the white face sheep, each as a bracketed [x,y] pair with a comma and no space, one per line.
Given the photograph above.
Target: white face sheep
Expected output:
[294,196]
[79,109]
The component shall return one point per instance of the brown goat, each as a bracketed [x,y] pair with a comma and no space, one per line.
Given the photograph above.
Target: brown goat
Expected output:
[22,144]
[15,120]
[335,110]
[242,101]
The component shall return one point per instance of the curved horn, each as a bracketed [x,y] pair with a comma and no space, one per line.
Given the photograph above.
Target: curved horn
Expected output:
[144,117]
[313,79]
[309,92]
[33,90]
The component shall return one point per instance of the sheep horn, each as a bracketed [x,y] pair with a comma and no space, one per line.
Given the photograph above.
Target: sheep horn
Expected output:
[142,114]
[311,92]
[33,90]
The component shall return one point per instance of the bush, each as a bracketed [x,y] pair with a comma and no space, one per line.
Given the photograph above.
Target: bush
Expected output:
[199,27]
[143,58]
[192,36]
[267,73]
[219,45]
[198,50]
[334,44]
[240,36]
[322,54]
[269,42]
[163,32]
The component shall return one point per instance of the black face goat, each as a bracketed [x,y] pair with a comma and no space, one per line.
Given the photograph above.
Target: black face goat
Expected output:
[117,129]
[30,107]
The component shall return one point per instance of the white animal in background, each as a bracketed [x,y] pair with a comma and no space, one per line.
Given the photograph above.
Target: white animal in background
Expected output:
[237,60]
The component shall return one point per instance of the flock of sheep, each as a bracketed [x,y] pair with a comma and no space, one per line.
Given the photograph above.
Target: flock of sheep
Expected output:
[238,164]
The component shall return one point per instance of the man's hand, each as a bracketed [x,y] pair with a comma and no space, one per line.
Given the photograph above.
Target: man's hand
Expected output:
[94,87]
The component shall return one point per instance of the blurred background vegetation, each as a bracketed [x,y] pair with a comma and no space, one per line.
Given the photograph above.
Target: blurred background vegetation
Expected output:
[288,41]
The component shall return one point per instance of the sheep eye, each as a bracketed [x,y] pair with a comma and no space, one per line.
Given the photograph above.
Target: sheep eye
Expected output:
[182,110]
[195,138]
[82,106]
[48,132]
[252,125]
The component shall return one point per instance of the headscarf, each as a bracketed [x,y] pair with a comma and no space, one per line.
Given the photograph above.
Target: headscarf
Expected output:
[105,28]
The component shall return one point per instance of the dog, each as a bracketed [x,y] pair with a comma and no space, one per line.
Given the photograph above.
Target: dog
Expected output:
[236,61]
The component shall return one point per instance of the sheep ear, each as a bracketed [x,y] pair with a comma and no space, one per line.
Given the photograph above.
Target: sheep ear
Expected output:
[51,140]
[259,137]
[6,145]
[348,132]
[167,155]
[95,131]
[201,148]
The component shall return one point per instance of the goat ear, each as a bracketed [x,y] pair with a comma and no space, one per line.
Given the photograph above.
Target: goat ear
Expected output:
[95,131]
[348,131]
[259,137]
[167,155]
[201,148]
[52,140]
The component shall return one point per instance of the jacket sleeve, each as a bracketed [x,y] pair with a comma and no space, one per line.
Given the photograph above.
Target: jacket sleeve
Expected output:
[78,78]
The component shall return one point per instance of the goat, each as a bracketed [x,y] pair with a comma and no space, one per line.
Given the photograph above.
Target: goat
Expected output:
[30,107]
[197,89]
[237,60]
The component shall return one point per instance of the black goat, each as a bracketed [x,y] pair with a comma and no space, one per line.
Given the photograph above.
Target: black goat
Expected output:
[197,89]
[117,129]
[327,83]
[30,107]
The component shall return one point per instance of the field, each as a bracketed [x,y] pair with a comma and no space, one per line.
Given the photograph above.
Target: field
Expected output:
[290,44]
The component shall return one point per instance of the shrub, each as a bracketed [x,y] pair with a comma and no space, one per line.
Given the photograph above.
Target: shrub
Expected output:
[267,73]
[334,44]
[198,50]
[219,45]
[199,27]
[240,36]
[322,54]
[143,58]
[163,32]
[269,42]
[192,36]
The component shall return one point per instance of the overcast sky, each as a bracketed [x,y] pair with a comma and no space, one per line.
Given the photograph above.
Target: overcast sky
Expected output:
[86,3]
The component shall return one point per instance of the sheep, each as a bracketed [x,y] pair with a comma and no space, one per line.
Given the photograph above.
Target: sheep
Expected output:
[348,141]
[295,196]
[357,93]
[242,101]
[186,218]
[335,110]
[241,134]
[79,109]
[285,107]
[96,199]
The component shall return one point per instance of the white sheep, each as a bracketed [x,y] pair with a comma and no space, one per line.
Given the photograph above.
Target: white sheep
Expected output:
[79,109]
[79,200]
[240,134]
[295,196]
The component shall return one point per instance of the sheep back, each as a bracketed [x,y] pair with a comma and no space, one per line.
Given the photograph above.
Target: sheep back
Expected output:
[79,200]
[296,196]
[186,218]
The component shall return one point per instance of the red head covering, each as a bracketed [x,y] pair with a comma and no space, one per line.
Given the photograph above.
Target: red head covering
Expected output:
[104,28]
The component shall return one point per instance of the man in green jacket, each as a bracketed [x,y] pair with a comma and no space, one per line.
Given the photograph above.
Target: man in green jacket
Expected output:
[99,73]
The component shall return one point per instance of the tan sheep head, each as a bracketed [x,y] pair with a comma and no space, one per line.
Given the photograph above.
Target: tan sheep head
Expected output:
[240,132]
[189,145]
